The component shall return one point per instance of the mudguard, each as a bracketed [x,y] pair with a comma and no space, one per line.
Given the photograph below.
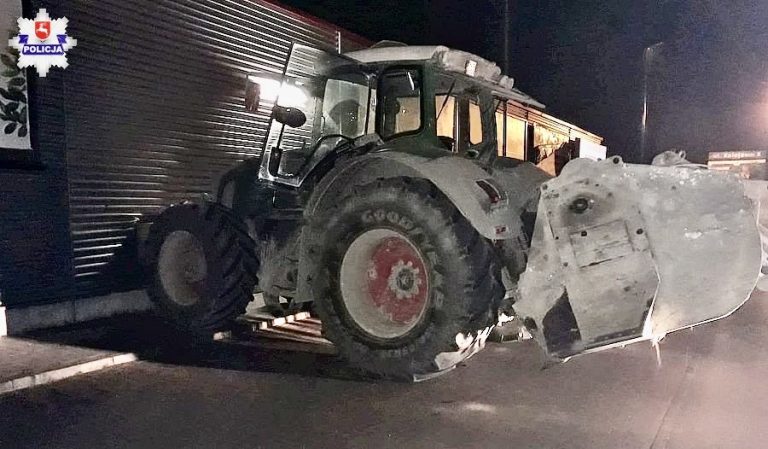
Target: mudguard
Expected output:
[455,176]
[624,252]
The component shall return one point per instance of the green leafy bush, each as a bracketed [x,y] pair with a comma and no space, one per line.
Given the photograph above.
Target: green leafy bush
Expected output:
[13,101]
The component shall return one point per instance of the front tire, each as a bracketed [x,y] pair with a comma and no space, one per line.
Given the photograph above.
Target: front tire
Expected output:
[201,265]
[405,287]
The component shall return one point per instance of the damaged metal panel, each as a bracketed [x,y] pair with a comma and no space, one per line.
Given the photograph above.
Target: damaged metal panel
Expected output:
[624,252]
[757,191]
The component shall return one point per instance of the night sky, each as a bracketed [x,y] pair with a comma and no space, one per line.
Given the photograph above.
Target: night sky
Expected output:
[708,81]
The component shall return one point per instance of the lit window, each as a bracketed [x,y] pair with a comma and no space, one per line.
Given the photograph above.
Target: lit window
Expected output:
[400,102]
[475,123]
[515,138]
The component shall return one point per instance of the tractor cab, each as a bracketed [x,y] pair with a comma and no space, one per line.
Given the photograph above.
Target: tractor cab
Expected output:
[428,101]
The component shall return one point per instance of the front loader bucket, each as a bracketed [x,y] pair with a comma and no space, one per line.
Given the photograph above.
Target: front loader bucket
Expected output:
[625,252]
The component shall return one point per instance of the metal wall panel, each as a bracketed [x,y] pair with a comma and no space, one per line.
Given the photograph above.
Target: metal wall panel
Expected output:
[154,112]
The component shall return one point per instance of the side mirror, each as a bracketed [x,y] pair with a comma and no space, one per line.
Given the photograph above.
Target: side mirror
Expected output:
[289,116]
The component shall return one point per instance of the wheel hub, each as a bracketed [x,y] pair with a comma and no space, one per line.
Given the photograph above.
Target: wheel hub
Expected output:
[182,267]
[385,284]
[404,280]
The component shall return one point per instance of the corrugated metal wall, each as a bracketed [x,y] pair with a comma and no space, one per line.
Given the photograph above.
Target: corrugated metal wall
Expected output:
[154,111]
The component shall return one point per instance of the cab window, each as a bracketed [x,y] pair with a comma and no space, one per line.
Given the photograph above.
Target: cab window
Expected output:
[445,113]
[458,114]
[475,122]
[399,102]
[513,143]
[345,106]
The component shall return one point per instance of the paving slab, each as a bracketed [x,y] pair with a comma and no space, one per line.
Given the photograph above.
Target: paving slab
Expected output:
[26,362]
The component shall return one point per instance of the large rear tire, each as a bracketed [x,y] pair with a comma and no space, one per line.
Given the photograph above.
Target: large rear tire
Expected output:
[202,266]
[405,286]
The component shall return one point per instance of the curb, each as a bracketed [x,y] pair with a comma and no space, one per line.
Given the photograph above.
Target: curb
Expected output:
[47,377]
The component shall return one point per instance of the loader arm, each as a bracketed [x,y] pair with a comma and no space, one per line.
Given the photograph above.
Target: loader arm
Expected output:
[625,252]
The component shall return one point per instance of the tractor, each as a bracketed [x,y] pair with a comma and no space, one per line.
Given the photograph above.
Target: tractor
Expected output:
[379,201]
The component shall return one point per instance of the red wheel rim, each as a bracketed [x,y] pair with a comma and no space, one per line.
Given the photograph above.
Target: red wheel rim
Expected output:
[397,280]
[384,283]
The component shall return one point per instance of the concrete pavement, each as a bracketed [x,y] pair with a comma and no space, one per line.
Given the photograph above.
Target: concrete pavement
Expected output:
[708,392]
[27,362]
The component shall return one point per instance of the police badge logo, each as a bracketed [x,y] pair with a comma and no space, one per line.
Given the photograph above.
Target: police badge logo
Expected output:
[42,42]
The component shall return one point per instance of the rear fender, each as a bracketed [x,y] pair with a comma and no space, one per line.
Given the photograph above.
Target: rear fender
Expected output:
[455,177]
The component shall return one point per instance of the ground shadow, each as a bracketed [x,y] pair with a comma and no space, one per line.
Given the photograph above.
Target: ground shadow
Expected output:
[154,340]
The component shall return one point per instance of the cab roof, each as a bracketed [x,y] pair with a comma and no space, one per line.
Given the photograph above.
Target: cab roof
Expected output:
[483,71]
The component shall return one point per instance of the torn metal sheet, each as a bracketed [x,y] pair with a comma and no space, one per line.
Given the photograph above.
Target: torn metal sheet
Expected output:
[757,191]
[626,252]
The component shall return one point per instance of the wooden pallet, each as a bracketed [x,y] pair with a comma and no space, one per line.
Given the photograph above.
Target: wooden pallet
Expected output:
[298,332]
